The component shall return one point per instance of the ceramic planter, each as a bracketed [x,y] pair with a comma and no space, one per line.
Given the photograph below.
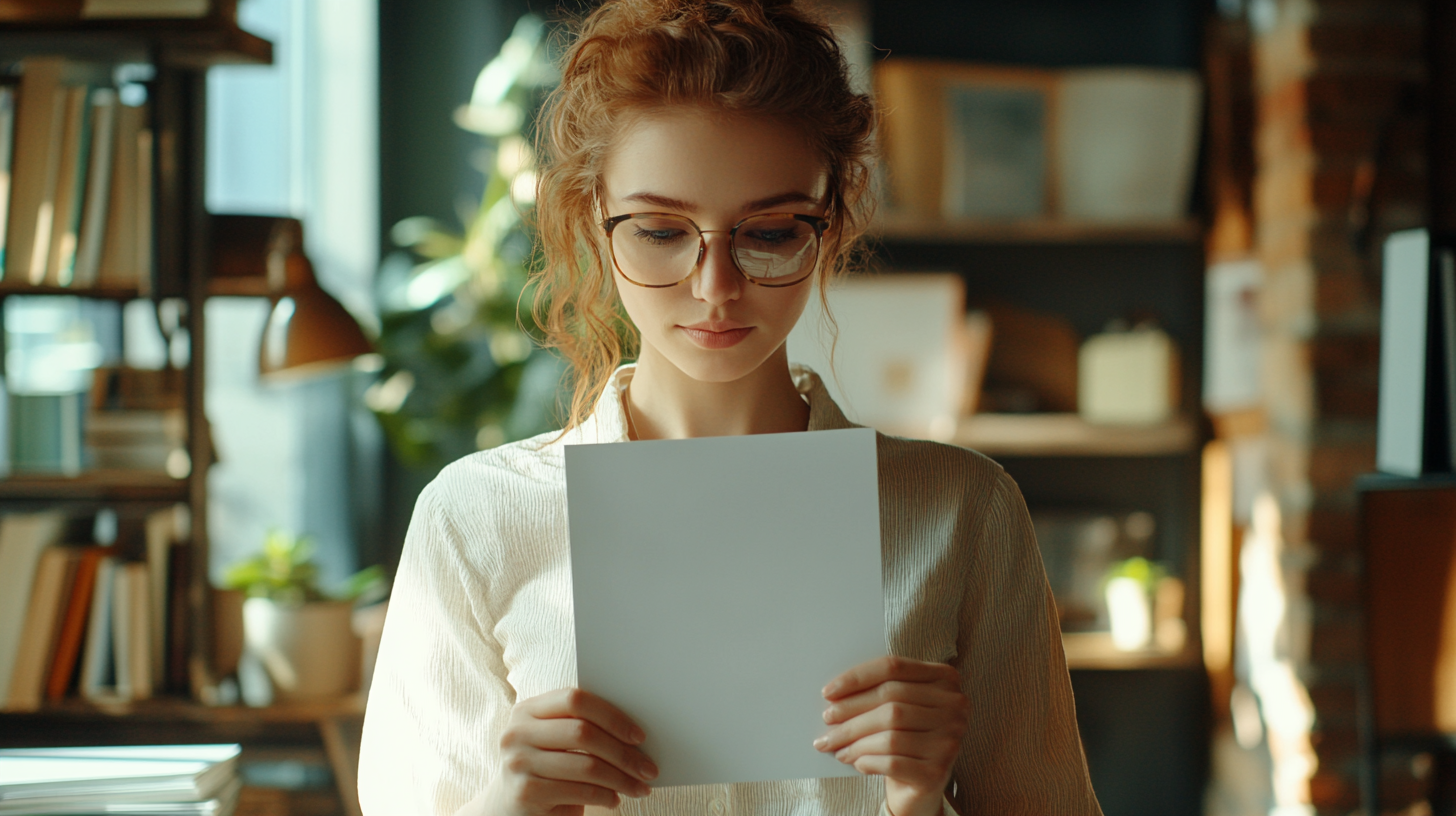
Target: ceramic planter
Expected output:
[310,651]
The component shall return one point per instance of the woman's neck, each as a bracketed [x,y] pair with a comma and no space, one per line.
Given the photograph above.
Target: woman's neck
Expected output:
[665,403]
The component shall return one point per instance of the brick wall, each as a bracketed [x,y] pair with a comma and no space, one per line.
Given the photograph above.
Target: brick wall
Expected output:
[1340,163]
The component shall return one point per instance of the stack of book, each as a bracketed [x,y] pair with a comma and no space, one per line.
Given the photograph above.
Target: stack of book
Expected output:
[186,780]
[107,623]
[77,162]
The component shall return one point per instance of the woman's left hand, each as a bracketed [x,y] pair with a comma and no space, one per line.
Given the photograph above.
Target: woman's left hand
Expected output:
[901,719]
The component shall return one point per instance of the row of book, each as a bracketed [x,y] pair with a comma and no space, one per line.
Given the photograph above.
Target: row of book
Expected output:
[183,780]
[107,623]
[60,11]
[79,167]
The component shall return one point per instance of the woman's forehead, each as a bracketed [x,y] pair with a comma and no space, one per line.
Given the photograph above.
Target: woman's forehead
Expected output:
[710,160]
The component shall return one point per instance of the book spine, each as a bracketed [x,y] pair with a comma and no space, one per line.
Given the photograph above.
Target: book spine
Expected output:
[179,582]
[73,627]
[98,187]
[70,178]
[96,668]
[38,638]
[39,116]
[1446,268]
[7,149]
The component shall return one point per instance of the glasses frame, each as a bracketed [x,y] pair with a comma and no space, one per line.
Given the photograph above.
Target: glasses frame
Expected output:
[819,223]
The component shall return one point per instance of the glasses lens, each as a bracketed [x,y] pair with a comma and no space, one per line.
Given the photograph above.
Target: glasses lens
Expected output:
[655,249]
[776,248]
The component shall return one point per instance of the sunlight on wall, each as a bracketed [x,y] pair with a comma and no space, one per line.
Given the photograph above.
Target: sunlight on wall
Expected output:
[1265,666]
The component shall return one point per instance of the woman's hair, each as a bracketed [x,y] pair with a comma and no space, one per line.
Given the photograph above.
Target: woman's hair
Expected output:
[630,57]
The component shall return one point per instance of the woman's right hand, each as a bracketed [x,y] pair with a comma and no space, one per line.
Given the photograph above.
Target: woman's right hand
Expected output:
[564,750]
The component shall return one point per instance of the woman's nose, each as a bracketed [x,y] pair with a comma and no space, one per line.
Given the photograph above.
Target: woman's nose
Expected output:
[718,280]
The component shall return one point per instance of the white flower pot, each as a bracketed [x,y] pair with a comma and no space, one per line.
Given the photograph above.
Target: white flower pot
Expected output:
[309,651]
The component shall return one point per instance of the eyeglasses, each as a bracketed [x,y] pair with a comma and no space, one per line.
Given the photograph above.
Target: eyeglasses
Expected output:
[658,250]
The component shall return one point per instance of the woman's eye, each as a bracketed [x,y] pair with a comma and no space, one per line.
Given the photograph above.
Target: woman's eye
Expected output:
[657,236]
[777,236]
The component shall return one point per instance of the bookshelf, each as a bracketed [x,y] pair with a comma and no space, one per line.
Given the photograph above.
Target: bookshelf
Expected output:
[179,53]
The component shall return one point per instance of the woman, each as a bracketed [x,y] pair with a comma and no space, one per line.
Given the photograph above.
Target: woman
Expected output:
[706,170]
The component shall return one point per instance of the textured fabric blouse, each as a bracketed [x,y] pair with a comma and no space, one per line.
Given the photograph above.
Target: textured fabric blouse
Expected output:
[481,617]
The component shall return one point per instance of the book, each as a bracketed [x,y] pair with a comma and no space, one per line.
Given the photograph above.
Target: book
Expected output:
[179,620]
[162,529]
[137,9]
[98,678]
[1445,263]
[144,180]
[1413,425]
[121,631]
[95,780]
[118,246]
[73,624]
[137,620]
[70,179]
[98,186]
[39,119]
[7,145]
[23,536]
[38,640]
[222,803]
[39,11]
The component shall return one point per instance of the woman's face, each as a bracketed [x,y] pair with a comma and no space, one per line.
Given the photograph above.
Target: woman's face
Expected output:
[715,169]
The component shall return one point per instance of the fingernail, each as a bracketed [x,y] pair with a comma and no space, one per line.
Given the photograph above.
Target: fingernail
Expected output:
[828,715]
[642,791]
[636,737]
[831,689]
[647,770]
[841,754]
[820,743]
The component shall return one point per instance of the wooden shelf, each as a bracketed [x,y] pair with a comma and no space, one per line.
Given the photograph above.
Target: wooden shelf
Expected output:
[194,43]
[96,485]
[174,709]
[1070,435]
[898,227]
[1094,650]
[122,293]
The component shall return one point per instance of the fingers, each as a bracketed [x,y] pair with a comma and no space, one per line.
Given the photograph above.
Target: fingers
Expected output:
[905,770]
[883,669]
[933,747]
[584,705]
[558,735]
[888,717]
[579,768]
[926,695]
[569,748]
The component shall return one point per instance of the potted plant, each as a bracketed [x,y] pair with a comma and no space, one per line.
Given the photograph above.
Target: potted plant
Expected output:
[302,636]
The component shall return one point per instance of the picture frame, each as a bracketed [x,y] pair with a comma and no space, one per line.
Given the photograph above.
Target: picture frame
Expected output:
[964,141]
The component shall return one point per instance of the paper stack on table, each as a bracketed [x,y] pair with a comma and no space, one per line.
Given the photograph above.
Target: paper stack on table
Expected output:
[188,780]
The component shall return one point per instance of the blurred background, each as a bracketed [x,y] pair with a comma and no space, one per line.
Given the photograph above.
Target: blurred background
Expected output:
[1184,268]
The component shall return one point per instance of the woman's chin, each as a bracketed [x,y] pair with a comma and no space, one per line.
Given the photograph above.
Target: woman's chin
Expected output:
[718,365]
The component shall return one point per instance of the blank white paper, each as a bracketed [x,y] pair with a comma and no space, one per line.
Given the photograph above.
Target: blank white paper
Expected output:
[719,583]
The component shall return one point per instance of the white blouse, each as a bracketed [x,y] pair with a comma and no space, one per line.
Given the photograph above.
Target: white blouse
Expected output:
[481,617]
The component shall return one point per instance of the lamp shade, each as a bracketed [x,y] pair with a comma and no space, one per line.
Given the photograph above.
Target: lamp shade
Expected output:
[307,329]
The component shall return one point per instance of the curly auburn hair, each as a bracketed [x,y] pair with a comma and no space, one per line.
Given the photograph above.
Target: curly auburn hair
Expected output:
[629,57]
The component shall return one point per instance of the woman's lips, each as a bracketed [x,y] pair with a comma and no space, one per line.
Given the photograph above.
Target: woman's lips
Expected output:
[709,339]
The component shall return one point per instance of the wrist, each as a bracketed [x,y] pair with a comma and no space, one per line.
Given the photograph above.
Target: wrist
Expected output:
[926,805]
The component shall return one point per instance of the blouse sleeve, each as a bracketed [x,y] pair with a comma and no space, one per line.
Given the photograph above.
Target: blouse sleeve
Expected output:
[439,691]
[1022,753]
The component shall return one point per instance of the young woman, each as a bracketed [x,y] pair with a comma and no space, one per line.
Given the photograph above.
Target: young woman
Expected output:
[706,170]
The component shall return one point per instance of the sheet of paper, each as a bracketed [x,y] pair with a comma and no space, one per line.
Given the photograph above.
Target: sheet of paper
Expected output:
[719,583]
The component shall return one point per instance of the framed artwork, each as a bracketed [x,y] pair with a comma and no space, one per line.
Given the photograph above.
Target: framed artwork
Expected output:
[967,141]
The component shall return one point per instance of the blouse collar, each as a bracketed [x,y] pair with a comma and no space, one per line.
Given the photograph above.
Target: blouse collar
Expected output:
[608,421]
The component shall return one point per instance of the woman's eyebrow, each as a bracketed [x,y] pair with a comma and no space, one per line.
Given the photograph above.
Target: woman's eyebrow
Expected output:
[781,198]
[679,205]
[662,201]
